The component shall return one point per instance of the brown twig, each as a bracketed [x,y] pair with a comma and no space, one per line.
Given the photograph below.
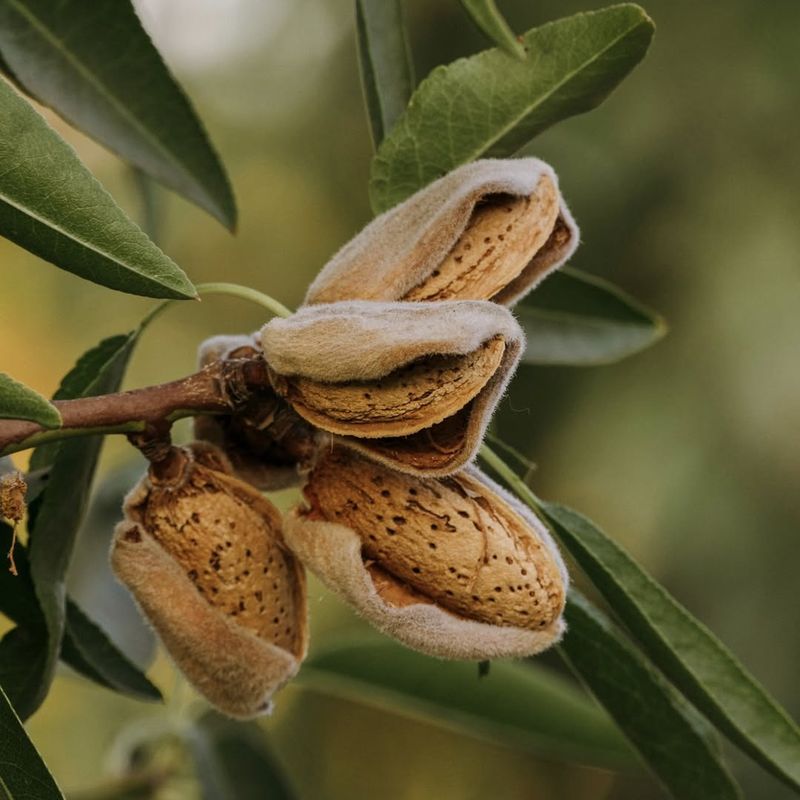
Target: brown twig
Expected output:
[221,387]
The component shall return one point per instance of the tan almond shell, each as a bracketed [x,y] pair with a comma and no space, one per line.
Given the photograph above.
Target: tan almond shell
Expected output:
[396,377]
[266,473]
[439,590]
[397,254]
[206,562]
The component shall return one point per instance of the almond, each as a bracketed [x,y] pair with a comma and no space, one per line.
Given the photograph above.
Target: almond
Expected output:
[416,396]
[203,553]
[502,236]
[453,540]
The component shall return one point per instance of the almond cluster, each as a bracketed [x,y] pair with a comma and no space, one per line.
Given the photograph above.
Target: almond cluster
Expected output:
[384,382]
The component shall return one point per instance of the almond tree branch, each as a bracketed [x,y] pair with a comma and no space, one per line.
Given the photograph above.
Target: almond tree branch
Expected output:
[219,388]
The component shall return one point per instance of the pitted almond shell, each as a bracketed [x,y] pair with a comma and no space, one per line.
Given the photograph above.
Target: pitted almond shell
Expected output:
[411,384]
[199,545]
[455,239]
[449,567]
[413,397]
[503,235]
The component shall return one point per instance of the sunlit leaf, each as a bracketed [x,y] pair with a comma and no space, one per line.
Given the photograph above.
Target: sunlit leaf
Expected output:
[668,733]
[486,16]
[687,652]
[386,71]
[518,704]
[576,319]
[51,205]
[23,774]
[491,105]
[97,67]
[18,401]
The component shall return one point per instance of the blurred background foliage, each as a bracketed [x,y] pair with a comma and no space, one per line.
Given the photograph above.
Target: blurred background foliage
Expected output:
[685,185]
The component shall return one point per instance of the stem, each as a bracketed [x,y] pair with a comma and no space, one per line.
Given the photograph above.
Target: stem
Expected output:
[246,293]
[519,486]
[217,389]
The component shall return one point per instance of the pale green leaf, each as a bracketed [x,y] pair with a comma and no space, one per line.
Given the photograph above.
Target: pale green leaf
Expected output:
[518,704]
[491,105]
[18,401]
[51,205]
[577,319]
[387,74]
[485,15]
[97,67]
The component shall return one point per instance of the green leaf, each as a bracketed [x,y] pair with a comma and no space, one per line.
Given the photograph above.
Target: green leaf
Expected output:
[96,66]
[59,510]
[23,774]
[518,704]
[85,647]
[386,72]
[490,105]
[51,205]
[576,319]
[18,401]
[684,649]
[233,761]
[485,15]
[668,733]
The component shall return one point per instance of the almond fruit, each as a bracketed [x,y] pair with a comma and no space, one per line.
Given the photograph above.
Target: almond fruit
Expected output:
[454,550]
[203,554]
[416,396]
[502,236]
[483,231]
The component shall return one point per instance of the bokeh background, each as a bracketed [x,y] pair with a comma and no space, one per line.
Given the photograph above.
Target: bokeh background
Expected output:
[685,183]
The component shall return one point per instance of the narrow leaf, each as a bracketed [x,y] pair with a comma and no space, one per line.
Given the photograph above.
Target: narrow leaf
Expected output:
[59,510]
[576,319]
[23,774]
[660,724]
[687,652]
[485,15]
[233,761]
[490,105]
[386,72]
[51,205]
[97,67]
[518,704]
[85,647]
[18,401]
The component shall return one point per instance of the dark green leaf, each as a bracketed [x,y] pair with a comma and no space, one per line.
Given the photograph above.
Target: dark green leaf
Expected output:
[96,66]
[688,653]
[23,774]
[519,704]
[576,319]
[18,401]
[491,105]
[233,761]
[85,647]
[23,655]
[58,512]
[51,205]
[668,733]
[485,15]
[386,72]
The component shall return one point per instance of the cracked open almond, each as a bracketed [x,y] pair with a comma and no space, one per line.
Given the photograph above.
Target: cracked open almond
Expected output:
[397,379]
[489,230]
[203,554]
[450,566]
